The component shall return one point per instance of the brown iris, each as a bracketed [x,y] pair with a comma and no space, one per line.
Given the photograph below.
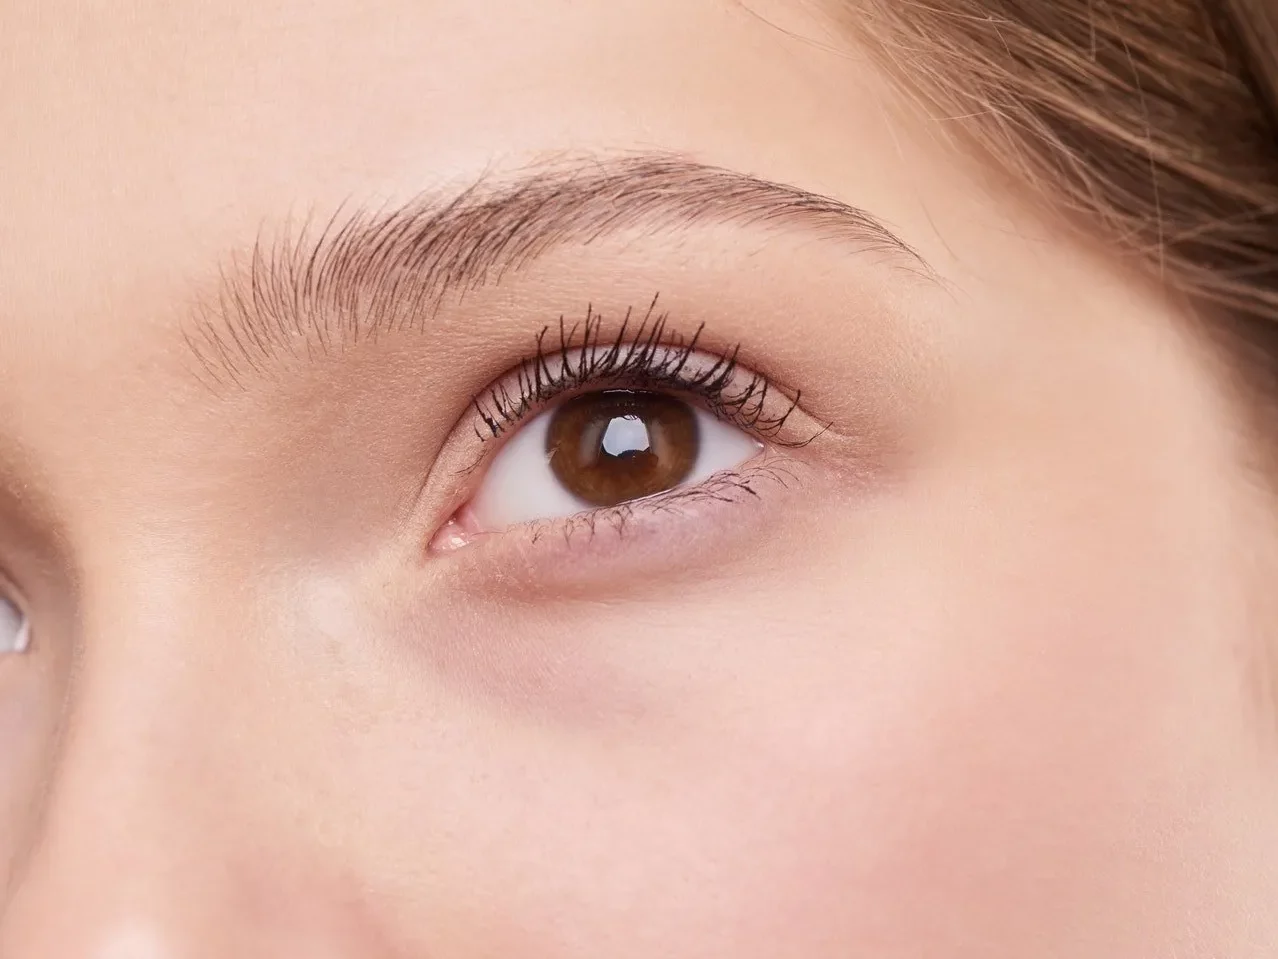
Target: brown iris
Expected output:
[610,447]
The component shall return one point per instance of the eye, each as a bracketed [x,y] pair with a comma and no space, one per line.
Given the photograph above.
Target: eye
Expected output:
[15,631]
[605,449]
[597,432]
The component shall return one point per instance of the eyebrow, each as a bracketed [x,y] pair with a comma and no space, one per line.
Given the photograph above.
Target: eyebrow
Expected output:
[370,271]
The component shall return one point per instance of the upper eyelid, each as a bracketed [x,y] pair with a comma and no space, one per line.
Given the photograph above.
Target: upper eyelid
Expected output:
[654,354]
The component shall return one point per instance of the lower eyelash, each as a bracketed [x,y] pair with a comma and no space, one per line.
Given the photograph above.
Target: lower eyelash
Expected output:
[647,355]
[725,487]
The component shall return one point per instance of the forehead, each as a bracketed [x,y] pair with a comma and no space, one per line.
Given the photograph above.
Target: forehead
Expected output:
[147,139]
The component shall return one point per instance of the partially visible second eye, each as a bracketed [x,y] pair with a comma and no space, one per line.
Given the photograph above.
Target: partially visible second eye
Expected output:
[15,631]
[605,449]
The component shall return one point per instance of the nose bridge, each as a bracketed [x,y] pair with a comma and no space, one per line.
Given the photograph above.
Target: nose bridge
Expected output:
[151,842]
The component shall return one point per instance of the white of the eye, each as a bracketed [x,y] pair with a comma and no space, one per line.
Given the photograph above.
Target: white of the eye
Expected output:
[520,486]
[15,631]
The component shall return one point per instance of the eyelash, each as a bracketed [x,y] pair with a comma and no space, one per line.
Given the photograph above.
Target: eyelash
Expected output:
[730,486]
[648,356]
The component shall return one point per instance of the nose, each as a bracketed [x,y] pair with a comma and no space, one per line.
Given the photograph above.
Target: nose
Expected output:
[174,823]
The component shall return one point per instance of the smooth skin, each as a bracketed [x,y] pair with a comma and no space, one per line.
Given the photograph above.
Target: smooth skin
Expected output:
[988,676]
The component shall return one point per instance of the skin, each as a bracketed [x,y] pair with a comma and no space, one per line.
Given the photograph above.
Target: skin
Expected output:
[985,677]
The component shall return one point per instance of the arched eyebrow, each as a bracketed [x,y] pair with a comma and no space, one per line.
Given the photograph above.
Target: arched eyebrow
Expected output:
[371,271]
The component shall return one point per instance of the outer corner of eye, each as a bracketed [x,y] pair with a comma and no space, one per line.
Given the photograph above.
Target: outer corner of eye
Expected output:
[15,628]
[598,450]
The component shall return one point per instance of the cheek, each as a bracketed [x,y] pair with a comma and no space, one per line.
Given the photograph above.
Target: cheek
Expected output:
[929,727]
[908,775]
[1018,720]
[948,734]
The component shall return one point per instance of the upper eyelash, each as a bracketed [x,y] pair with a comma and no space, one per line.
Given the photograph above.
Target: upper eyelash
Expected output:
[649,355]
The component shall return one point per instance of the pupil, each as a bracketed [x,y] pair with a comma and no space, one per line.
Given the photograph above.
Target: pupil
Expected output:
[614,446]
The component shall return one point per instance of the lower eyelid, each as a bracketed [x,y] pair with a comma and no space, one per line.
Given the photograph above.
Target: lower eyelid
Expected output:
[743,484]
[684,533]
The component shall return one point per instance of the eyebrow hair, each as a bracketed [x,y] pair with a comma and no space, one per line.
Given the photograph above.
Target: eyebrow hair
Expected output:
[372,271]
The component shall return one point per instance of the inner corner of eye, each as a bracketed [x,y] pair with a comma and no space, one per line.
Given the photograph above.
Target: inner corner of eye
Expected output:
[599,450]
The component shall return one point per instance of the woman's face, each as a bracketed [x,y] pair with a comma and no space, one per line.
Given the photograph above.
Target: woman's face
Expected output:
[950,642]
